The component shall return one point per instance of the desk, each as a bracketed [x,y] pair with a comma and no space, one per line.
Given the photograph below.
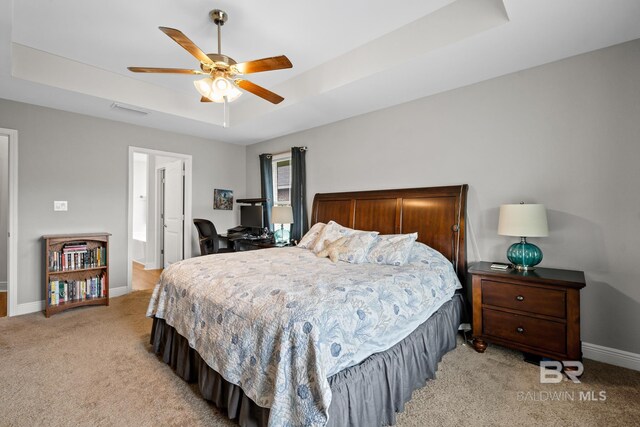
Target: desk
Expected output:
[244,244]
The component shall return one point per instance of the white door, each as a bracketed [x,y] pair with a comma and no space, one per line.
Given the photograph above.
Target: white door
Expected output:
[173,213]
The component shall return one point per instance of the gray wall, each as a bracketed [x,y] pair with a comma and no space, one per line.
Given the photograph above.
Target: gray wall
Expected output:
[4,207]
[566,134]
[67,156]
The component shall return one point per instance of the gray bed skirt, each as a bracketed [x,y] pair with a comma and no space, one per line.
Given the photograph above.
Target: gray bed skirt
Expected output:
[367,394]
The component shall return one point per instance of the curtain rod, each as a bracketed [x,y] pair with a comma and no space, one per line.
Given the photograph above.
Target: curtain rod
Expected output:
[269,155]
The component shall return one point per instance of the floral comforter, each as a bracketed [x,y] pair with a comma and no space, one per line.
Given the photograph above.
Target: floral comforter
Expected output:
[277,321]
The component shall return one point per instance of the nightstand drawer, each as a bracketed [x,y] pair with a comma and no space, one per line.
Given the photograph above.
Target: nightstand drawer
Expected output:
[525,298]
[530,331]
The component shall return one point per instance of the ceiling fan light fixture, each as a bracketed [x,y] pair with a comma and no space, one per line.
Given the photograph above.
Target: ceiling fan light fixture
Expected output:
[221,84]
[217,89]
[204,86]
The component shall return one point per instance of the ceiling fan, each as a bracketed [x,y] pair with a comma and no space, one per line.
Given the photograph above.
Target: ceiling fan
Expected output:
[224,74]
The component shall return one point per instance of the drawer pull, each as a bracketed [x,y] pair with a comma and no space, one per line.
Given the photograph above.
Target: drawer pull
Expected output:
[520,330]
[520,298]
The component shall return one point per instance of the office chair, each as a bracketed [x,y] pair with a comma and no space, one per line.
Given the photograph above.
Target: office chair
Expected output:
[208,237]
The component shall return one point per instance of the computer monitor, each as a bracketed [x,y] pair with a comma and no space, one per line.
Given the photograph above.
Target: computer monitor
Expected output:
[251,216]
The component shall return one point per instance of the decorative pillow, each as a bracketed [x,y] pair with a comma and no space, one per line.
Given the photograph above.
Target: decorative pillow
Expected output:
[355,248]
[331,232]
[330,246]
[309,239]
[392,249]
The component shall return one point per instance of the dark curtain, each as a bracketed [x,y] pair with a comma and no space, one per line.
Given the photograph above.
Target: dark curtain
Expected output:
[299,193]
[266,184]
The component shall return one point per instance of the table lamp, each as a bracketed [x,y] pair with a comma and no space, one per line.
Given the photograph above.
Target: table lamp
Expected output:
[523,221]
[281,215]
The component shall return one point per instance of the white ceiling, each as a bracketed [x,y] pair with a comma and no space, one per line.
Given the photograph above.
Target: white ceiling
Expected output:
[349,57]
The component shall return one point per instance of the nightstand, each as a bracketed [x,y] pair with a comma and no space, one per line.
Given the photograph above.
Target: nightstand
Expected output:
[536,312]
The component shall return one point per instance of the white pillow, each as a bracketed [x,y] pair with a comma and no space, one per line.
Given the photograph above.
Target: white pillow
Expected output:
[392,249]
[355,248]
[309,239]
[330,233]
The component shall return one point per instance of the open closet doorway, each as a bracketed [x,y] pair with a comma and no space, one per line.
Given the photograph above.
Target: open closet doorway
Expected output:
[159,213]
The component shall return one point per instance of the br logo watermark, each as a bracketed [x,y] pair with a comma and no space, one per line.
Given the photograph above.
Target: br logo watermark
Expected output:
[551,371]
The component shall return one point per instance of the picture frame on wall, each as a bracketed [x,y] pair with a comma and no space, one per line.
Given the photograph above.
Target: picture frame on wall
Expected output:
[223,199]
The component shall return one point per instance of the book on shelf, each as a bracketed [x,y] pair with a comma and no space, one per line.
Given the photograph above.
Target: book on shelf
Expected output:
[76,290]
[77,257]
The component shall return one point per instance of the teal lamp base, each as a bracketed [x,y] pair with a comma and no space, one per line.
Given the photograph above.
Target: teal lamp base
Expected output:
[523,255]
[281,236]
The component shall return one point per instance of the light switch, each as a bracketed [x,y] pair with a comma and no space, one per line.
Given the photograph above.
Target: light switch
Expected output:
[60,205]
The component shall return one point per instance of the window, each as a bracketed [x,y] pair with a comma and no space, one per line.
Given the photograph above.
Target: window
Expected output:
[281,167]
[282,179]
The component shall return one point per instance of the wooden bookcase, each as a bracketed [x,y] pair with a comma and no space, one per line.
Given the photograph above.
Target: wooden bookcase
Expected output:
[76,267]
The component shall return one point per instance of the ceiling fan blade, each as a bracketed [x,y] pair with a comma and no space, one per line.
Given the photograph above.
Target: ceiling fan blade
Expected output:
[259,91]
[186,43]
[264,64]
[205,99]
[164,70]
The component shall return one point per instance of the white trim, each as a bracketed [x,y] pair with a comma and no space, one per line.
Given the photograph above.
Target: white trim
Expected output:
[188,172]
[158,242]
[3,286]
[28,307]
[611,356]
[12,253]
[36,306]
[152,265]
[118,292]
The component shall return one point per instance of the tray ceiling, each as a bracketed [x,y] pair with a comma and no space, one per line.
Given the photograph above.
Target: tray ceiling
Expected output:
[349,57]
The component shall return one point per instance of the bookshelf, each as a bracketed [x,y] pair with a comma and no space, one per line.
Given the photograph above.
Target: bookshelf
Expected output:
[76,271]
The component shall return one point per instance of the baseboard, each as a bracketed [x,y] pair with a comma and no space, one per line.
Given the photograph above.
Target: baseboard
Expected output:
[29,307]
[34,307]
[118,292]
[612,356]
[3,286]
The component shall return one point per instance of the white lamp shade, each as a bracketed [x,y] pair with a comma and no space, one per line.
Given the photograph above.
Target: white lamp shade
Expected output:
[281,215]
[523,221]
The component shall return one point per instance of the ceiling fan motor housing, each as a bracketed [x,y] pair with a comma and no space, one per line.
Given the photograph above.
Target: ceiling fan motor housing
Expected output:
[220,63]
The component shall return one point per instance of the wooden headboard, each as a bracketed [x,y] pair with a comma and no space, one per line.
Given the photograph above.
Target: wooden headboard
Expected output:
[436,213]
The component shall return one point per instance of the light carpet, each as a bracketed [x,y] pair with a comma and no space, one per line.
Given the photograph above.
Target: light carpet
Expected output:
[94,366]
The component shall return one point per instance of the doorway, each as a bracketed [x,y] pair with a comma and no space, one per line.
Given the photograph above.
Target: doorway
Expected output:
[8,222]
[159,213]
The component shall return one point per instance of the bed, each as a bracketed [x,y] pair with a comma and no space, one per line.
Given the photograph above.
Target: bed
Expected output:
[282,337]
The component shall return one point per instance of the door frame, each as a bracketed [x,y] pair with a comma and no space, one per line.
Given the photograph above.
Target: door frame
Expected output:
[12,246]
[188,173]
[159,213]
